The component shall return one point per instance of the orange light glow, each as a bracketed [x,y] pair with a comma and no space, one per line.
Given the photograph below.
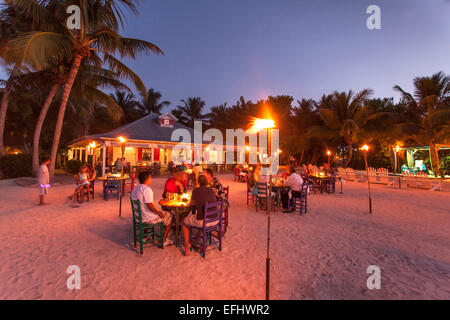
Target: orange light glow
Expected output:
[397,149]
[260,124]
[122,139]
[365,147]
[329,152]
[247,148]
[92,145]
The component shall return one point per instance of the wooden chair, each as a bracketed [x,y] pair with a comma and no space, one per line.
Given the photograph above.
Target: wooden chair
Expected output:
[341,173]
[132,182]
[92,189]
[83,192]
[383,176]
[301,203]
[424,182]
[410,180]
[330,185]
[212,227]
[113,186]
[237,173]
[372,175]
[142,229]
[225,212]
[263,195]
[250,196]
[351,175]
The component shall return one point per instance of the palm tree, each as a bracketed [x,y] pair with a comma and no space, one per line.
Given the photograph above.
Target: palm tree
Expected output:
[152,103]
[304,117]
[219,117]
[11,24]
[97,40]
[191,111]
[344,115]
[426,115]
[128,104]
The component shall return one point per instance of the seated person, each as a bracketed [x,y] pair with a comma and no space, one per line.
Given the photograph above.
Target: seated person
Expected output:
[92,174]
[200,196]
[196,172]
[82,183]
[294,182]
[309,170]
[175,184]
[215,184]
[118,165]
[150,213]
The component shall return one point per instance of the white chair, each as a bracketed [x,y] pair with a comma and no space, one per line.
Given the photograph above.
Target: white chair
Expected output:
[351,175]
[383,176]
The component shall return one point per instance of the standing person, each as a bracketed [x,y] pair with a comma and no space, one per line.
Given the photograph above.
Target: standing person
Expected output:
[150,213]
[44,181]
[200,196]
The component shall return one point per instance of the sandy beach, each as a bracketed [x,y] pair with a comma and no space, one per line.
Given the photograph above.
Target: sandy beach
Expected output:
[322,255]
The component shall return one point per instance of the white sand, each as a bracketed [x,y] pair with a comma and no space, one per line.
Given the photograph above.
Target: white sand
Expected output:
[323,255]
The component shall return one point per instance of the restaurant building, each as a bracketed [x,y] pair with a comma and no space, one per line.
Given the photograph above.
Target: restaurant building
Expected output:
[148,141]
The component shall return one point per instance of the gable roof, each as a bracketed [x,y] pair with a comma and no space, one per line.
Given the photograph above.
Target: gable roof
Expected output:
[147,128]
[168,114]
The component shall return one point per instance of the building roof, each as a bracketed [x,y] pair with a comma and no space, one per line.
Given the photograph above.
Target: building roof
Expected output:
[147,128]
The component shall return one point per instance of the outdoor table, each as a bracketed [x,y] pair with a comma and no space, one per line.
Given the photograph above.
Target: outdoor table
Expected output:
[277,189]
[177,209]
[320,179]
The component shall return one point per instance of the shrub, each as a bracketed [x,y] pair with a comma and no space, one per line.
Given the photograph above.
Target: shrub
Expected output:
[16,166]
[73,166]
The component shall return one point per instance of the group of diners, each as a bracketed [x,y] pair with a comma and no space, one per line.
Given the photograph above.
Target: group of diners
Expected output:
[207,189]
[291,179]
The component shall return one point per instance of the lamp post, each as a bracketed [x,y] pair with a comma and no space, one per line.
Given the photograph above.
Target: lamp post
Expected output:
[329,157]
[92,147]
[269,125]
[123,142]
[397,166]
[365,150]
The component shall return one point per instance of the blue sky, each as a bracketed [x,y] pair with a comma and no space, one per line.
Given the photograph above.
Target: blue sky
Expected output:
[220,50]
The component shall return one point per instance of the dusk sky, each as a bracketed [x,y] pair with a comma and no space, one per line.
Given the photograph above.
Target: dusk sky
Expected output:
[221,50]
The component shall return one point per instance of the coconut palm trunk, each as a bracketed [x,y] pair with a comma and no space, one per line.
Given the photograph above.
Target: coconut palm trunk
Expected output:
[301,158]
[39,124]
[4,108]
[349,156]
[434,159]
[62,109]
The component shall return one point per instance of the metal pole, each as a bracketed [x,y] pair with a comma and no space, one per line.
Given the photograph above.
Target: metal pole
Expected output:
[269,204]
[368,181]
[122,184]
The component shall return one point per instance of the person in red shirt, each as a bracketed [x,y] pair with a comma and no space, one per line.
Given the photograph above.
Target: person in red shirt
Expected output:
[175,184]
